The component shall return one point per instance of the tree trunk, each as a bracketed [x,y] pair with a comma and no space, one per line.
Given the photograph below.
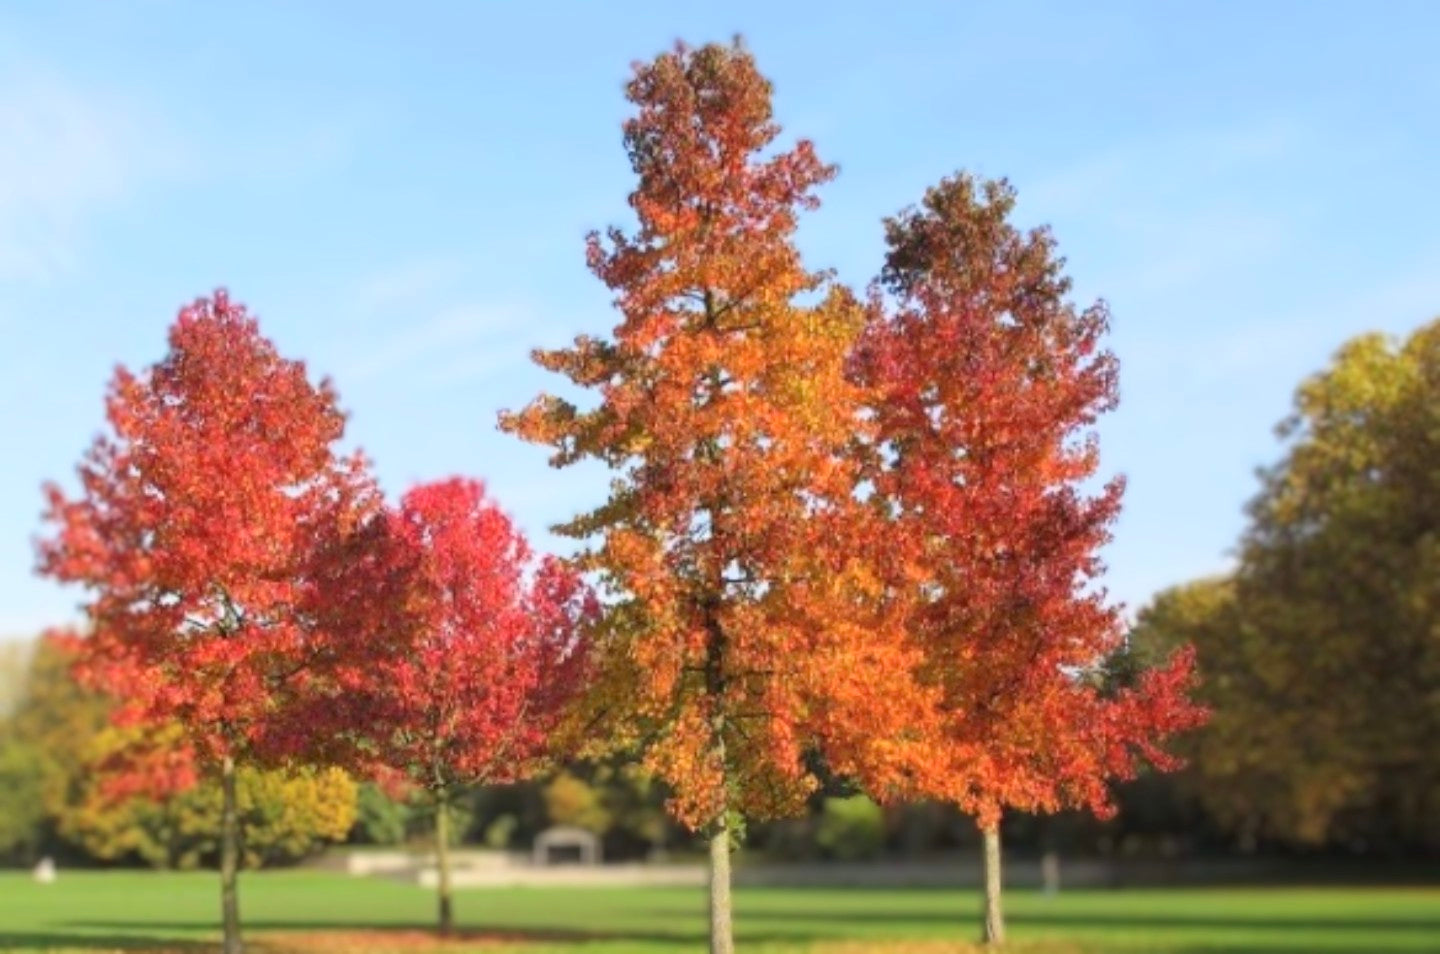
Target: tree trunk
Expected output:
[722,937]
[722,940]
[994,931]
[229,859]
[1050,872]
[442,865]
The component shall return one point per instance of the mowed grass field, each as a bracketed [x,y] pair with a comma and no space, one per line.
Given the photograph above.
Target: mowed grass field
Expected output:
[312,912]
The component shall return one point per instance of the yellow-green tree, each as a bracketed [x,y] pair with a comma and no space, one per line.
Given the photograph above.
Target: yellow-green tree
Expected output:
[285,815]
[57,750]
[56,717]
[1322,655]
[22,811]
[571,801]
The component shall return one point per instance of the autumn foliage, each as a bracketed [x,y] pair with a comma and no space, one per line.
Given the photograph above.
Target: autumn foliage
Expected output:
[200,511]
[986,383]
[489,637]
[285,815]
[744,635]
[458,650]
[750,645]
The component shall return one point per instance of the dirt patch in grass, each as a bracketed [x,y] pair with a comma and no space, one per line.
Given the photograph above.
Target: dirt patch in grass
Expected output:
[401,941]
[935,947]
[389,942]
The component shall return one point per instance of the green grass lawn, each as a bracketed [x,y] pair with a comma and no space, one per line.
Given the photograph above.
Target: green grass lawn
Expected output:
[135,911]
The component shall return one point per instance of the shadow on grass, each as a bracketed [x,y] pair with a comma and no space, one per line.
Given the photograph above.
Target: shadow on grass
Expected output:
[58,940]
[1102,920]
[292,932]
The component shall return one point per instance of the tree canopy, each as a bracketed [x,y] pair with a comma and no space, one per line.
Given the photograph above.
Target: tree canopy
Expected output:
[1322,653]
[986,382]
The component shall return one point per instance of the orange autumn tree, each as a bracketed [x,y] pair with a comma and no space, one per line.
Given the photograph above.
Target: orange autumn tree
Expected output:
[200,513]
[986,383]
[745,632]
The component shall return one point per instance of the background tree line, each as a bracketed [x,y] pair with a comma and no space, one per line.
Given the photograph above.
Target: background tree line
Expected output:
[1321,650]
[1321,653]
[56,735]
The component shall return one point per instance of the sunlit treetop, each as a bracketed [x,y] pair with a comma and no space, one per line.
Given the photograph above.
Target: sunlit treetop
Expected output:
[747,632]
[192,535]
[986,383]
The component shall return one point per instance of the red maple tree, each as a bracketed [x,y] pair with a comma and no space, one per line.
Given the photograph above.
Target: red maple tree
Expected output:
[986,382]
[465,649]
[199,515]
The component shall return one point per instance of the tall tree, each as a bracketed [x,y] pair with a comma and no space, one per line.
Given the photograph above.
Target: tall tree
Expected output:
[986,381]
[746,631]
[199,513]
[1324,648]
[487,648]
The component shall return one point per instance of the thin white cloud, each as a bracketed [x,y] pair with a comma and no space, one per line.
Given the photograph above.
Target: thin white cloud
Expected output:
[65,154]
[455,331]
[1285,347]
[501,355]
[1402,301]
[1193,247]
[403,285]
[1133,172]
[505,352]
[287,148]
[1309,339]
[1171,212]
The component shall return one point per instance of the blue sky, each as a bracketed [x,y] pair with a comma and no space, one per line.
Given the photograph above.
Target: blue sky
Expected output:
[400,191]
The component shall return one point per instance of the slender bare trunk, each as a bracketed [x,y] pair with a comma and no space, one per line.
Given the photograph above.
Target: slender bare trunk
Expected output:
[994,931]
[722,940]
[229,859]
[1050,873]
[442,864]
[722,936]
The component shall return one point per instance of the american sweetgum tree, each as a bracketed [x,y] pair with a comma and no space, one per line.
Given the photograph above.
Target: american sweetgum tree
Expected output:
[200,510]
[481,647]
[986,382]
[746,639]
